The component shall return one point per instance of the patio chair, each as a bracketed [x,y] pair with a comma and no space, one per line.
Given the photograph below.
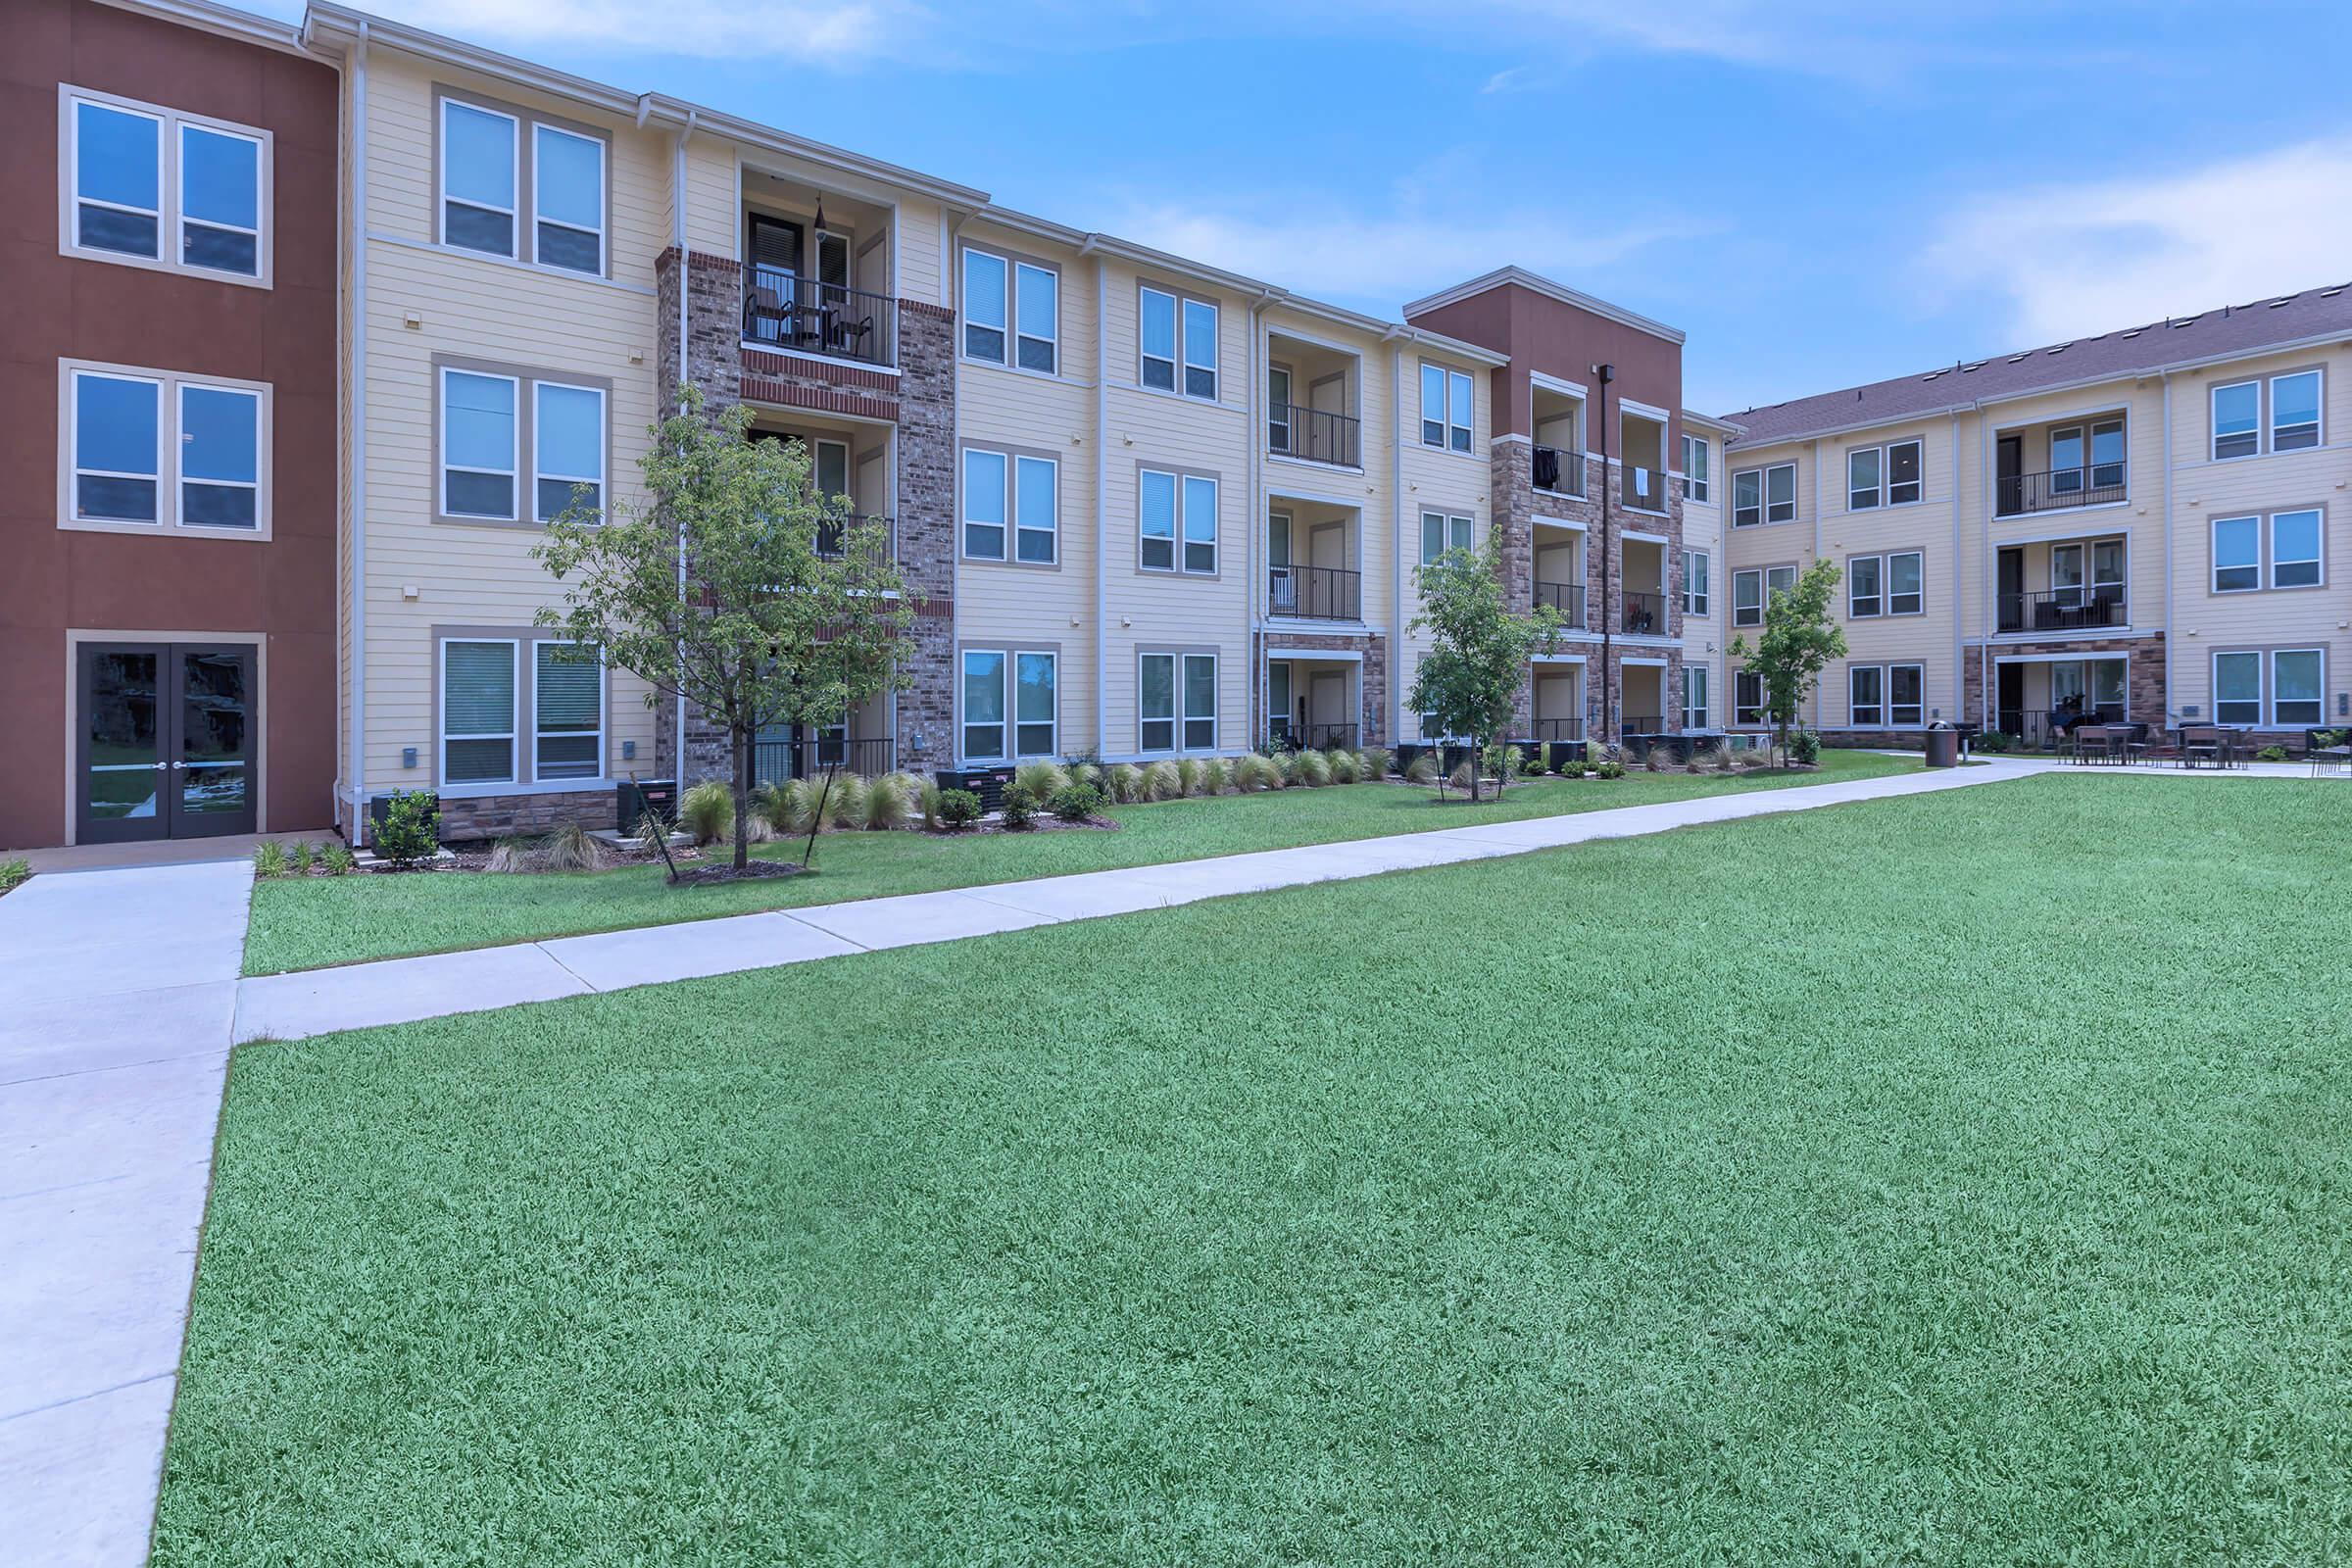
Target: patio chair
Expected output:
[2204,746]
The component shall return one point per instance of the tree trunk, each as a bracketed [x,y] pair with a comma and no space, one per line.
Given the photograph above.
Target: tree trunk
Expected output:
[741,737]
[1477,758]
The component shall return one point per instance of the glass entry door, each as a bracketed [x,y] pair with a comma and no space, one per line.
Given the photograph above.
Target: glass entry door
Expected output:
[166,747]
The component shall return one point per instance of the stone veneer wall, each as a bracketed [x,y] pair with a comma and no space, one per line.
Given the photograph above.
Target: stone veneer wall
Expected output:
[2144,695]
[1373,693]
[494,817]
[920,397]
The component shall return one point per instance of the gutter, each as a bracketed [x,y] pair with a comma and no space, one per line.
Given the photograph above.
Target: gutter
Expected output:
[1396,539]
[359,441]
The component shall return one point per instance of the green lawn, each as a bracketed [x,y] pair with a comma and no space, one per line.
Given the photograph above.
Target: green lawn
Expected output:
[302,924]
[1956,1180]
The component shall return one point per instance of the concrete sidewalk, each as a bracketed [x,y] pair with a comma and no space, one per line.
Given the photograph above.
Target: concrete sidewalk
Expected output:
[291,1007]
[114,1048]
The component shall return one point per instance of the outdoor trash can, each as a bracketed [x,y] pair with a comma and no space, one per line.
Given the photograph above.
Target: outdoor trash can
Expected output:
[1943,748]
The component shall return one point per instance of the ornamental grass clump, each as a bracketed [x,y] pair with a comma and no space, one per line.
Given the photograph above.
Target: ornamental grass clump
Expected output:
[707,811]
[849,802]
[1343,768]
[568,847]
[1126,782]
[1162,782]
[1043,779]
[1188,775]
[1212,779]
[1423,769]
[1314,770]
[1376,761]
[890,801]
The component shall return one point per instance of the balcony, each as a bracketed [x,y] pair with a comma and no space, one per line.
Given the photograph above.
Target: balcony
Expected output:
[1562,730]
[881,544]
[2063,610]
[1568,598]
[1641,489]
[2020,495]
[1316,592]
[782,310]
[807,756]
[1314,435]
[1290,735]
[1642,615]
[1560,470]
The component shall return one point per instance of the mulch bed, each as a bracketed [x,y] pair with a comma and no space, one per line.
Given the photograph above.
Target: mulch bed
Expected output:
[703,876]
[1043,823]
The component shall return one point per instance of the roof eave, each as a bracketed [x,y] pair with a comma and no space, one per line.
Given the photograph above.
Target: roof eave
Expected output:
[1535,282]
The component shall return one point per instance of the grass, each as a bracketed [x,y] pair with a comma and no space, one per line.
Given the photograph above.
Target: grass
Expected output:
[1955,1180]
[306,923]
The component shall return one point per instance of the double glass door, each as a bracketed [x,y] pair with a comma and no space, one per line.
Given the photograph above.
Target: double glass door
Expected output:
[166,744]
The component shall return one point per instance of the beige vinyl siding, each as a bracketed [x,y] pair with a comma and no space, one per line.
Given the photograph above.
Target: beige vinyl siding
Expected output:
[921,274]
[713,200]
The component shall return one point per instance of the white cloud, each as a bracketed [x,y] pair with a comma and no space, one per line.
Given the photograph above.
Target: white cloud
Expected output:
[2080,259]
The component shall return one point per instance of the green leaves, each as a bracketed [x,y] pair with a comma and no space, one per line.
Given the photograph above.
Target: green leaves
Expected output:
[1470,680]
[1797,643]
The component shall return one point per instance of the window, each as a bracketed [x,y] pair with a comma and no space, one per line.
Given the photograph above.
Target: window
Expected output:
[1445,403]
[150,448]
[2298,675]
[1747,498]
[1440,533]
[478,177]
[1158,334]
[1037,316]
[1036,710]
[2237,688]
[1903,464]
[2237,419]
[131,165]
[1037,508]
[2295,549]
[1278,409]
[1201,349]
[1177,702]
[1862,478]
[1876,476]
[1157,520]
[1865,587]
[1200,525]
[1748,598]
[478,444]
[567,711]
[567,442]
[1175,507]
[1696,450]
[2236,555]
[1778,580]
[1764,495]
[1695,697]
[983,505]
[1906,693]
[568,199]
[985,277]
[2295,411]
[478,711]
[1906,575]
[1695,569]
[1747,697]
[1866,696]
[2066,460]
[983,706]
[2107,455]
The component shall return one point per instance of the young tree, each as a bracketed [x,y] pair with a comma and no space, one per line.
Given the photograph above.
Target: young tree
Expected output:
[735,585]
[1470,680]
[1797,643]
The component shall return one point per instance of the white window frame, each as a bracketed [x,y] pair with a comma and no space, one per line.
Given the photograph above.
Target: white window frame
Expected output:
[1853,588]
[1018,520]
[2272,560]
[1013,703]
[1455,532]
[2213,554]
[967,293]
[1697,466]
[1764,505]
[1004,696]
[1854,704]
[966,522]
[1918,710]
[1015,336]
[604,219]
[1859,497]
[1451,436]
[1754,712]
[2270,411]
[170,212]
[1185,717]
[1744,614]
[1695,715]
[539,735]
[2269,692]
[1769,471]
[2213,422]
[1184,305]
[1887,582]
[444,467]
[1174,358]
[1184,542]
[1174,718]
[443,163]
[1740,507]
[513,734]
[539,470]
[1695,600]
[171,495]
[1919,486]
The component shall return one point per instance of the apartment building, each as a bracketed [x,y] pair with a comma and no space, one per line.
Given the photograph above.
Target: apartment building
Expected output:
[2137,524]
[169,372]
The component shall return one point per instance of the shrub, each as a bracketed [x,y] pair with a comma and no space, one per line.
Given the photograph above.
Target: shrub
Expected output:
[412,827]
[1500,761]
[510,855]
[1040,778]
[1213,778]
[1804,746]
[958,810]
[269,859]
[2270,753]
[1612,768]
[1077,803]
[1423,770]
[707,811]
[1574,767]
[848,802]
[926,800]
[1376,759]
[1126,783]
[889,802]
[15,874]
[1019,808]
[570,848]
[1992,740]
[1162,782]
[1188,775]
[1343,768]
[338,860]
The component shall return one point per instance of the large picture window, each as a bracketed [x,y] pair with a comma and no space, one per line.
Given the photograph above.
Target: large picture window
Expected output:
[509,440]
[1176,701]
[1011,699]
[1446,399]
[1177,523]
[523,188]
[151,186]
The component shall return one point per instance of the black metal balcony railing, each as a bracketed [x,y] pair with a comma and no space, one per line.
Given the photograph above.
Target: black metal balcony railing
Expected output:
[783,310]
[1288,735]
[832,539]
[1645,488]
[1316,592]
[1568,598]
[1644,612]
[1560,470]
[2063,610]
[2038,727]
[2018,495]
[1641,724]
[1314,435]
[807,756]
[1559,729]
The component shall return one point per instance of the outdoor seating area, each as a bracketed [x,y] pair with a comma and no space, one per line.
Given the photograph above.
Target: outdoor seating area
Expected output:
[2194,746]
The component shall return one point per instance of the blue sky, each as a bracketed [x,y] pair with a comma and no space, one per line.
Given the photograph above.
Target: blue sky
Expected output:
[1819,193]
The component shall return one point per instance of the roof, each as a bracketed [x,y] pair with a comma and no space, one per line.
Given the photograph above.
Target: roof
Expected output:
[2225,333]
[1536,282]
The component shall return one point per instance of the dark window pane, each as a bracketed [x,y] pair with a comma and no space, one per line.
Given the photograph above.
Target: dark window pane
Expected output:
[116,500]
[556,497]
[477,229]
[220,249]
[1461,439]
[1160,374]
[478,761]
[1037,353]
[984,541]
[1200,557]
[984,343]
[478,495]
[105,229]
[1200,383]
[570,248]
[219,506]
[566,756]
[1036,544]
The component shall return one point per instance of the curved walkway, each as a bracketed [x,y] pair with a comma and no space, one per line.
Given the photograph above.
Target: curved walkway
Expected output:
[313,1001]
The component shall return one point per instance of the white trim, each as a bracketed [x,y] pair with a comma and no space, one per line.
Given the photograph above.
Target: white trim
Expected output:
[604,217]
[1641,411]
[443,163]
[169,478]
[1624,535]
[600,479]
[514,470]
[1541,521]
[1560,384]
[513,734]
[1291,654]
[604,717]
[171,209]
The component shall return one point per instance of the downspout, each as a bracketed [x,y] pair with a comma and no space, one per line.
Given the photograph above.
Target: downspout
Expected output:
[1396,540]
[1959,631]
[678,236]
[1101,498]
[1986,705]
[1257,522]
[1818,494]
[2170,705]
[951,284]
[359,440]
[1604,374]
